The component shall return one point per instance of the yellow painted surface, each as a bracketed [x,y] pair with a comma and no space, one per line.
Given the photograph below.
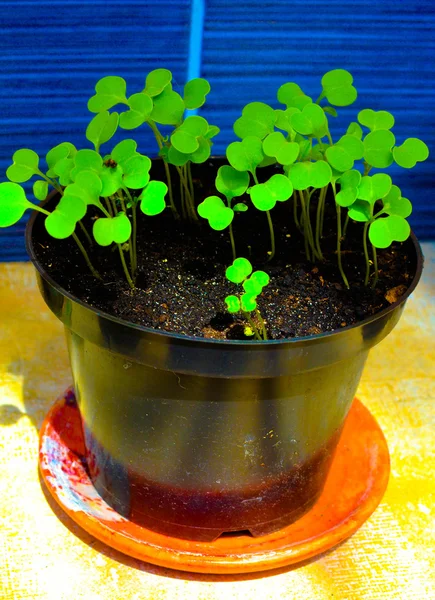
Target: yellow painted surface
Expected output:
[44,555]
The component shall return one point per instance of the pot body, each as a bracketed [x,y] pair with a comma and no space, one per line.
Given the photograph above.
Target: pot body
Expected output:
[194,437]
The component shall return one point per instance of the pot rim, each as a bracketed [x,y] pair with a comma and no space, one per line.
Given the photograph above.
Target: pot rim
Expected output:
[210,341]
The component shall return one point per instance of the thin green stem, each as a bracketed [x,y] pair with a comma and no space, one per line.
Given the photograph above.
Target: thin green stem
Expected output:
[375,264]
[340,266]
[252,324]
[272,235]
[88,237]
[295,211]
[262,323]
[305,234]
[328,135]
[309,226]
[131,244]
[346,223]
[108,206]
[134,239]
[366,254]
[233,245]
[159,139]
[189,175]
[53,183]
[319,221]
[86,257]
[124,266]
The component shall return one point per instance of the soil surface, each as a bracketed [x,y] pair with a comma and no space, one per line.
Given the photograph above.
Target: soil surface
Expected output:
[181,285]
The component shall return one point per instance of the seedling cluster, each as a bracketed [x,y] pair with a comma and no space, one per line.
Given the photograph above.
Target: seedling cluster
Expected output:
[310,168]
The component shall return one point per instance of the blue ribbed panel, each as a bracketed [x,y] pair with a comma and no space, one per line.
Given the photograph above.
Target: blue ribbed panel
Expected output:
[250,48]
[53,52]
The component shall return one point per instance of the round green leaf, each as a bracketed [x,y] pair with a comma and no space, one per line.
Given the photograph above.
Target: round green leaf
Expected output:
[372,119]
[184,142]
[195,125]
[86,160]
[195,92]
[240,207]
[102,127]
[211,132]
[410,152]
[233,304]
[136,171]
[153,198]
[283,118]
[394,204]
[330,110]
[349,183]
[384,231]
[377,148]
[355,130]
[25,165]
[341,156]
[374,187]
[338,88]
[111,179]
[248,302]
[13,203]
[40,189]
[214,210]
[257,120]
[277,146]
[360,211]
[87,187]
[292,96]
[231,183]
[239,270]
[123,151]
[109,92]
[63,169]
[168,108]
[245,155]
[311,121]
[251,286]
[310,174]
[264,196]
[202,153]
[157,81]
[62,222]
[109,230]
[59,152]
[177,158]
[141,107]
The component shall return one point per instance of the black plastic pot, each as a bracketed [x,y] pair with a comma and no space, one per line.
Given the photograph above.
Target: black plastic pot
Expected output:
[194,437]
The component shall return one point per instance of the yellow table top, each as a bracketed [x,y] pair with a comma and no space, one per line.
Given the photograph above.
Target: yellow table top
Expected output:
[44,555]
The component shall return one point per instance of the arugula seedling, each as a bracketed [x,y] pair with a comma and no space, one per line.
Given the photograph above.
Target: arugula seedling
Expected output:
[240,272]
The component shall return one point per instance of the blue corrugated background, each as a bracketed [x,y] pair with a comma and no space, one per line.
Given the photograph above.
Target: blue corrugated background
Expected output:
[51,54]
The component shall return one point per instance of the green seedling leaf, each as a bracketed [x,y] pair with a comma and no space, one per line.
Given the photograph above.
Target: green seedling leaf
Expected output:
[203,152]
[214,210]
[62,222]
[195,92]
[111,179]
[360,211]
[40,189]
[410,152]
[330,110]
[338,88]
[102,127]
[355,130]
[25,165]
[174,157]
[292,96]
[59,152]
[374,187]
[109,92]
[240,207]
[141,107]
[168,108]
[123,151]
[377,148]
[13,203]
[109,230]
[87,187]
[232,183]
[277,146]
[136,171]
[394,204]
[310,174]
[349,183]
[248,302]
[157,81]
[153,198]
[374,120]
[233,304]
[63,169]
[245,155]
[342,155]
[255,284]
[384,231]
[186,138]
[179,159]
[304,148]
[86,160]
[264,196]
[239,270]
[311,121]
[257,120]
[211,132]
[283,119]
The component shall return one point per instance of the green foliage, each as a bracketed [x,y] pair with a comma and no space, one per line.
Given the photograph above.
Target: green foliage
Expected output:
[62,222]
[141,106]
[232,183]
[246,155]
[277,146]
[109,230]
[372,188]
[410,152]
[349,184]
[310,174]
[13,203]
[87,187]
[168,107]
[355,130]
[186,137]
[102,127]
[394,204]
[310,121]
[136,171]
[257,120]
[239,270]
[292,96]
[195,92]
[283,120]
[214,210]
[157,81]
[342,155]
[338,88]
[376,120]
[378,148]
[152,198]
[110,91]
[278,188]
[25,165]
[384,231]
[40,189]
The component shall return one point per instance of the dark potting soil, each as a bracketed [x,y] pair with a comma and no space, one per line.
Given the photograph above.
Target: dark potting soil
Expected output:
[181,284]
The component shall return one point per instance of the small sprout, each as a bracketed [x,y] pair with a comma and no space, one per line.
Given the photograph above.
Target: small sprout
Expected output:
[25,165]
[240,207]
[264,196]
[102,127]
[239,270]
[211,132]
[310,174]
[372,188]
[136,171]
[232,183]
[245,155]
[141,106]
[111,179]
[292,96]
[233,304]
[214,210]
[86,160]
[360,211]
[195,92]
[349,183]
[283,119]
[384,231]
[186,138]
[179,159]
[355,130]
[257,120]
[62,151]
[168,107]
[330,110]
[374,120]
[87,187]
[61,223]
[378,148]
[109,230]
[63,169]
[123,151]
[394,204]
[40,189]
[277,146]
[338,88]
[109,92]
[342,155]
[157,81]
[13,203]
[153,198]
[410,152]
[310,121]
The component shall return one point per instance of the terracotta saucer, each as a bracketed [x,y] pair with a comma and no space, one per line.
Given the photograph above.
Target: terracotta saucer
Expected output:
[354,488]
